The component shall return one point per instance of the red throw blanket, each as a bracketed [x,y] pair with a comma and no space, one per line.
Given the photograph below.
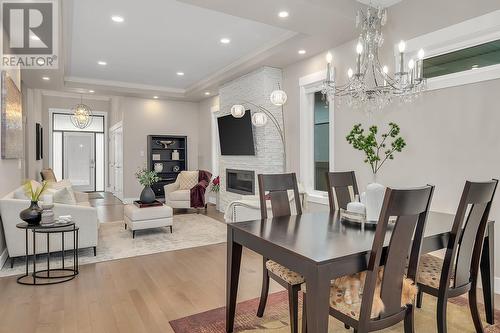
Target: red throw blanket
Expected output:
[197,196]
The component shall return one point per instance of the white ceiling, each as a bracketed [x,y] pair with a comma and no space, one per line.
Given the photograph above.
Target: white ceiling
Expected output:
[162,37]
[158,39]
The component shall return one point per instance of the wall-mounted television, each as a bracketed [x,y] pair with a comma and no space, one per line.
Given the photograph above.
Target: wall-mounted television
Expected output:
[236,135]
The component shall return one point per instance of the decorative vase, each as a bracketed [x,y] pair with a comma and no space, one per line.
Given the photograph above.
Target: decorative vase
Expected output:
[374,199]
[158,167]
[147,195]
[31,215]
[175,155]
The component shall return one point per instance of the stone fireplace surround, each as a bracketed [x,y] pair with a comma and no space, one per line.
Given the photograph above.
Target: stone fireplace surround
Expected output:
[254,87]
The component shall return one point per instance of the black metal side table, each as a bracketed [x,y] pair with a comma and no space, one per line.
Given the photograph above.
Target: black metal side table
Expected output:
[50,275]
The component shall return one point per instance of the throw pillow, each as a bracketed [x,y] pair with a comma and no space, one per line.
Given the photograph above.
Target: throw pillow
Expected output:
[62,196]
[188,180]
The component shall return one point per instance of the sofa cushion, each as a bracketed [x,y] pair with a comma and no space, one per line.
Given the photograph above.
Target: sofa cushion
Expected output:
[179,195]
[135,213]
[63,195]
[188,179]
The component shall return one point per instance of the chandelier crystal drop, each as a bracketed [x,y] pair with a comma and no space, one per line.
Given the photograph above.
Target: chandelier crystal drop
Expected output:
[369,84]
[81,115]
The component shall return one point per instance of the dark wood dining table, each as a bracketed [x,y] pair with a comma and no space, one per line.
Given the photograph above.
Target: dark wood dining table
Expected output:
[321,247]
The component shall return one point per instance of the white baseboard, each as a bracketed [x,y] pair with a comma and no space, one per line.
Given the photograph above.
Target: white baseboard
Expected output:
[3,257]
[212,200]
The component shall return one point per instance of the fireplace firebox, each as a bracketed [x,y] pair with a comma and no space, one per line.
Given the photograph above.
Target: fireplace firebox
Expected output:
[240,181]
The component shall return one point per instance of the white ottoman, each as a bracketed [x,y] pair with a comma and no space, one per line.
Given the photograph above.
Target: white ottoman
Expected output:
[146,218]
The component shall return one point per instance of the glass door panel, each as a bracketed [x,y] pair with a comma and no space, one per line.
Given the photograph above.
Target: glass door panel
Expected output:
[79,160]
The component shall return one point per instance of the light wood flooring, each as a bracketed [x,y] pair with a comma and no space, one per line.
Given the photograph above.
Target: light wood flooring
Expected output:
[140,294]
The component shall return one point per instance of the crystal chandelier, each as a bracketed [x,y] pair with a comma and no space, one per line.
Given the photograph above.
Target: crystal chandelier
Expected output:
[370,85]
[82,115]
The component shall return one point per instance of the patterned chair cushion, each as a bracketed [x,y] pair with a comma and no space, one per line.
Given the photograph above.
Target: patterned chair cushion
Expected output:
[429,271]
[284,273]
[187,179]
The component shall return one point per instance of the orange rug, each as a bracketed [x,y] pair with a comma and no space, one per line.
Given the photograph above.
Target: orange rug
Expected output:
[276,318]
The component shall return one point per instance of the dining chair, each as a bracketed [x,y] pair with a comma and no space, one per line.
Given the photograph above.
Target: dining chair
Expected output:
[340,185]
[274,188]
[410,208]
[456,274]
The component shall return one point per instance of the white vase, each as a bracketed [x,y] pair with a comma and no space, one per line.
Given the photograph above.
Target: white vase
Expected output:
[374,200]
[175,155]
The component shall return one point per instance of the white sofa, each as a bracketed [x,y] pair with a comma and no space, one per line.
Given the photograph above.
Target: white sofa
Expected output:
[84,216]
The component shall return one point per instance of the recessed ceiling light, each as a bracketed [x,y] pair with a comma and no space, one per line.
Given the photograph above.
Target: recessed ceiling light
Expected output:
[91,91]
[283,14]
[155,97]
[302,51]
[45,78]
[35,37]
[117,19]
[225,40]
[102,63]
[180,73]
[207,93]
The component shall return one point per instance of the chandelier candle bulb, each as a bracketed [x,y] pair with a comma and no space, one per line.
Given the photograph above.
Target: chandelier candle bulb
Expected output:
[385,70]
[402,47]
[350,73]
[420,64]
[359,51]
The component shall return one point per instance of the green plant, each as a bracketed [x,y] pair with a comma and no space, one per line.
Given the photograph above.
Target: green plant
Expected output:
[34,193]
[376,153]
[147,177]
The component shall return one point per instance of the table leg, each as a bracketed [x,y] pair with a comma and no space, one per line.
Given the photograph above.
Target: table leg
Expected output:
[62,241]
[34,257]
[27,253]
[318,300]
[48,255]
[233,274]
[488,273]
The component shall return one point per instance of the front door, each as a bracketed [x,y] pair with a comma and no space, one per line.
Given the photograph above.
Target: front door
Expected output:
[79,160]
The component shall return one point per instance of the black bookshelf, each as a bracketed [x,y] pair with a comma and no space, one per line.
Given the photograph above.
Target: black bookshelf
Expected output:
[160,149]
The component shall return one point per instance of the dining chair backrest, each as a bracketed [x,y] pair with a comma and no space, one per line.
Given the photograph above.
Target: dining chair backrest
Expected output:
[275,188]
[409,207]
[467,234]
[340,185]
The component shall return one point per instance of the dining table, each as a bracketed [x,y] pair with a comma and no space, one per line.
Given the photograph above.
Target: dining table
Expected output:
[321,246]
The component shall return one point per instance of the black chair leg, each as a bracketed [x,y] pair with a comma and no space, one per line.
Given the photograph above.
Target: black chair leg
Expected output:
[12,262]
[347,327]
[95,251]
[441,314]
[293,306]
[420,295]
[409,320]
[474,311]
[304,314]
[265,290]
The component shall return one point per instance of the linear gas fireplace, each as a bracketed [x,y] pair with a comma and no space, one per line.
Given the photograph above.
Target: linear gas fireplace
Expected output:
[240,181]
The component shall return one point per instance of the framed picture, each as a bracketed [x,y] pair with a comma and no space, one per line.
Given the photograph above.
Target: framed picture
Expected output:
[11,119]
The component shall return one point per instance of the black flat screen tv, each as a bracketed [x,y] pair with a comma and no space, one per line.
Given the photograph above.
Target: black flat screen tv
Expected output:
[236,135]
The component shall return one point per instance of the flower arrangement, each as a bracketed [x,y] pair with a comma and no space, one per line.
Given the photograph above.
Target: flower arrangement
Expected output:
[376,153]
[215,185]
[147,177]
[34,193]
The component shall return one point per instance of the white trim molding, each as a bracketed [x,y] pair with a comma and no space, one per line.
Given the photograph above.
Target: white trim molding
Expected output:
[476,31]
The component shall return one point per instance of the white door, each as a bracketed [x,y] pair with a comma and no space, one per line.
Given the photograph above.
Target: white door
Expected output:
[117,162]
[79,160]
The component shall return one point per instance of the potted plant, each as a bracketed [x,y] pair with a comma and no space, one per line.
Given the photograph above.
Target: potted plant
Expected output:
[215,187]
[33,214]
[377,152]
[147,178]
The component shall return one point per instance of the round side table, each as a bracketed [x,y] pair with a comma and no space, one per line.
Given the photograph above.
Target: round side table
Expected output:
[49,275]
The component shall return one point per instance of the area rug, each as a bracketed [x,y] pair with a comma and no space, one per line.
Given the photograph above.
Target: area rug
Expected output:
[189,230]
[276,318]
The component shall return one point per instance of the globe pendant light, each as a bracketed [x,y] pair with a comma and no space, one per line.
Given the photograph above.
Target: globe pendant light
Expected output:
[82,115]
[259,119]
[278,97]
[237,111]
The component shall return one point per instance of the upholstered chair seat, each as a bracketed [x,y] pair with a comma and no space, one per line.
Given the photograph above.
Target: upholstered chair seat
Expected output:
[429,271]
[284,273]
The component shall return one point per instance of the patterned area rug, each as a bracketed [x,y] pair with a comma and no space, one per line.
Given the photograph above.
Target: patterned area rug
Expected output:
[276,318]
[189,230]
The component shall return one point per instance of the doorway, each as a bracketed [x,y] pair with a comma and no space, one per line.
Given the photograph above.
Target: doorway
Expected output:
[78,155]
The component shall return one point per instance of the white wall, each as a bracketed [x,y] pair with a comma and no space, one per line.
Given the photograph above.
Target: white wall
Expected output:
[452,134]
[142,117]
[205,149]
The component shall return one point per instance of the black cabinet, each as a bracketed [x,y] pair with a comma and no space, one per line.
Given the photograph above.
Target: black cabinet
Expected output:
[167,155]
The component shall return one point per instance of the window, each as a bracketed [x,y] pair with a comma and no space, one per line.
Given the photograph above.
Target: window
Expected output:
[321,141]
[470,58]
